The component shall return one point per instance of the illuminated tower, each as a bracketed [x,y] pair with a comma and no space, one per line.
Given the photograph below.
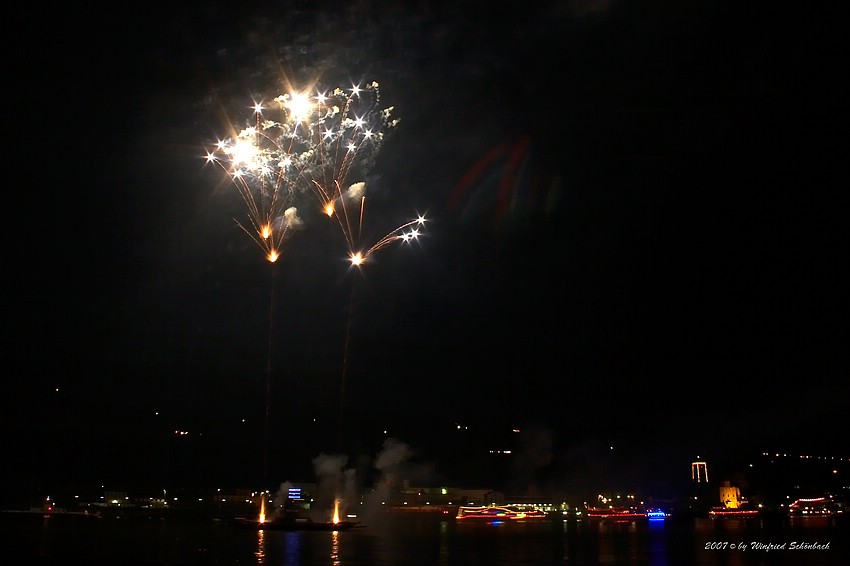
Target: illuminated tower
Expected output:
[699,472]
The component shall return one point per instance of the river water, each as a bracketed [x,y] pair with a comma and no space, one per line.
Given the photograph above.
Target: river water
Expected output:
[428,540]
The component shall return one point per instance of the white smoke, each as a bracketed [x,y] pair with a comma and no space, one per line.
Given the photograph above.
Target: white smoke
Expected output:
[356,190]
[337,482]
[393,454]
[280,498]
[330,472]
[291,218]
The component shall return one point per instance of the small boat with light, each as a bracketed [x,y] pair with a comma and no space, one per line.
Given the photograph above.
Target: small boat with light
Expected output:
[293,522]
[294,519]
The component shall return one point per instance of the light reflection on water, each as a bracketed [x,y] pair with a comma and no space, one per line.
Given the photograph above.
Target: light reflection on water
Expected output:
[335,548]
[421,540]
[657,543]
[261,547]
[292,545]
[444,544]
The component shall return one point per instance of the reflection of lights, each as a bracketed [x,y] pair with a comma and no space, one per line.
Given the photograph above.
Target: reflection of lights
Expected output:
[335,548]
[261,547]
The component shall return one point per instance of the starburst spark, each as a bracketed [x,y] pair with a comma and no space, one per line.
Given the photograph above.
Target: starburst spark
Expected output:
[406,232]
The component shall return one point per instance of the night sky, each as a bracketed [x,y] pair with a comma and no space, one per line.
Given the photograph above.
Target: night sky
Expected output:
[634,241]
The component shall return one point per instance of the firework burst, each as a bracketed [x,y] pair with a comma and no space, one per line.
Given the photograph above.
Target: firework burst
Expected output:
[303,143]
[351,216]
[263,188]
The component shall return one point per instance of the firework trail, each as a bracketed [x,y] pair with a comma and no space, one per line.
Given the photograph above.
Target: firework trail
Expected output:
[358,256]
[347,130]
[321,144]
[249,160]
[311,143]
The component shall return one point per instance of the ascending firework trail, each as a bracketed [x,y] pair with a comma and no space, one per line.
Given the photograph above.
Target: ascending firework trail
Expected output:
[299,144]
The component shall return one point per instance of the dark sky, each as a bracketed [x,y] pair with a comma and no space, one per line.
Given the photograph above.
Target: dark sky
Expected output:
[634,240]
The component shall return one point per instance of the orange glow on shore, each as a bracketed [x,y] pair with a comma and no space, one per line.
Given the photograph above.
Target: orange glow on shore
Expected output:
[263,509]
[336,511]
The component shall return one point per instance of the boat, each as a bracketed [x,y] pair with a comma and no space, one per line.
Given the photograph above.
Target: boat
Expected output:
[48,512]
[525,513]
[615,513]
[656,514]
[294,523]
[498,513]
[732,512]
[814,507]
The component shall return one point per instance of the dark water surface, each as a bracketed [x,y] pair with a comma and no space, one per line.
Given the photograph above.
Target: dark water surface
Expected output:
[422,539]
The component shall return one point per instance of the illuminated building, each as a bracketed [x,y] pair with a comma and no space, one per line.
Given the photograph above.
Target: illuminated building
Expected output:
[699,472]
[730,496]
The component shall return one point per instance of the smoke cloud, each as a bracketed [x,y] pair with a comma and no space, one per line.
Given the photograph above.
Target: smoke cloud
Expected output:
[356,190]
